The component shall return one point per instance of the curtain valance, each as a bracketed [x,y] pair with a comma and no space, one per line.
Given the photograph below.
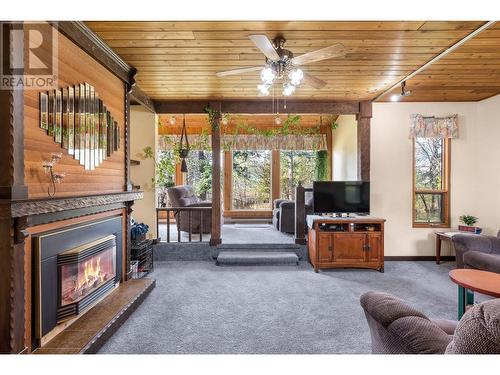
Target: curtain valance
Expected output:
[250,142]
[434,127]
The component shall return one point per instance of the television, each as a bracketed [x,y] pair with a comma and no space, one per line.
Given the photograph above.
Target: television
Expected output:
[341,197]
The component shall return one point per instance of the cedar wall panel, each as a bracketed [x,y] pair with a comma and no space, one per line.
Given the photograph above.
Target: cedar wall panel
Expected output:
[75,66]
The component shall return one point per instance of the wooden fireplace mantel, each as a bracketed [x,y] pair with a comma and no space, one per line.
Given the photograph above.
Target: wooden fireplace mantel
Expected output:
[32,207]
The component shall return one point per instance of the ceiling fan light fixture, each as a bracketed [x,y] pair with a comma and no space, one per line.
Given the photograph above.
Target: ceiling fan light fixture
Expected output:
[288,89]
[264,89]
[296,76]
[267,75]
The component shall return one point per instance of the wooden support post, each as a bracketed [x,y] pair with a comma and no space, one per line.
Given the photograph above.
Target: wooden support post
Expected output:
[364,118]
[300,215]
[12,232]
[215,238]
[275,176]
[228,181]
[329,149]
[179,176]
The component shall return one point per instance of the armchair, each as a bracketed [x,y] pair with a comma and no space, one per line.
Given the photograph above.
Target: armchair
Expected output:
[284,214]
[397,328]
[477,251]
[184,196]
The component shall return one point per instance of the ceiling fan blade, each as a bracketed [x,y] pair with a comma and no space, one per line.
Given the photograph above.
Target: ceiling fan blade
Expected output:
[264,44]
[313,81]
[320,54]
[238,71]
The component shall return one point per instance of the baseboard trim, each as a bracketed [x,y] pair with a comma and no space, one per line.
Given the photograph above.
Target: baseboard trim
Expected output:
[417,257]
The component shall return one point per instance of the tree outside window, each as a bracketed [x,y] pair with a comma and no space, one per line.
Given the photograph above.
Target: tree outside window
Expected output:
[431,180]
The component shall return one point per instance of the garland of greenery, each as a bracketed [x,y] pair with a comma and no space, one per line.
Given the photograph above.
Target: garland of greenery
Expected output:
[291,126]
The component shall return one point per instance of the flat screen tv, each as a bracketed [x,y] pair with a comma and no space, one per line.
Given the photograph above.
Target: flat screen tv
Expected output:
[341,197]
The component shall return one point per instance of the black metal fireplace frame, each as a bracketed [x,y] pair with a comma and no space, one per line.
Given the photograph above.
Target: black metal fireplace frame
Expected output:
[46,248]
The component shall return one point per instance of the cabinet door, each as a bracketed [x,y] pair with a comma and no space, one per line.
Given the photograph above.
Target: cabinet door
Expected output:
[325,247]
[348,248]
[373,242]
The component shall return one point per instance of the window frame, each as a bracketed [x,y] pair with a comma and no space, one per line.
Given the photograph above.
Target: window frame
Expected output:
[444,192]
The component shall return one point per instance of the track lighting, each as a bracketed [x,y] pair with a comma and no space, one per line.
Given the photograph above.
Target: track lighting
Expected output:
[404,92]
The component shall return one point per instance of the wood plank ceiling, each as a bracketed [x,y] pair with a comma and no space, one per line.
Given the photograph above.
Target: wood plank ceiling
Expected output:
[178,60]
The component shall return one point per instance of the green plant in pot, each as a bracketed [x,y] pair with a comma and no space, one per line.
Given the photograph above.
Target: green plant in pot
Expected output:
[469,222]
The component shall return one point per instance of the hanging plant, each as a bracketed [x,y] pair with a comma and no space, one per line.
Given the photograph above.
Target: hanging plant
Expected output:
[212,115]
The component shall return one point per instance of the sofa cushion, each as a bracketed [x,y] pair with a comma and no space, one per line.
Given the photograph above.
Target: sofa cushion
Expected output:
[420,335]
[385,308]
[478,332]
[482,261]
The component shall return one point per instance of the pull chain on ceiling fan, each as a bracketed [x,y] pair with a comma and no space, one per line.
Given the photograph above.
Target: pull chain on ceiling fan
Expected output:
[281,65]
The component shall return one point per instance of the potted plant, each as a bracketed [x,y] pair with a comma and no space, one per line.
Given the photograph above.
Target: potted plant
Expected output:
[469,222]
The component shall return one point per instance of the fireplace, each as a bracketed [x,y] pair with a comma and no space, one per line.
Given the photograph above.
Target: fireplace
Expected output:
[75,267]
[85,274]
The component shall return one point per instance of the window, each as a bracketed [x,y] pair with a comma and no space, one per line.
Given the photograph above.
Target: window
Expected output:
[303,166]
[431,170]
[251,180]
[199,174]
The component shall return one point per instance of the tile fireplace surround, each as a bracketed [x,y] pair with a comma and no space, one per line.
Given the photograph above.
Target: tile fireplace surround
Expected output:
[89,236]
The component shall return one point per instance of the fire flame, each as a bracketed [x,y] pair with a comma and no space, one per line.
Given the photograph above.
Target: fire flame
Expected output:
[91,273]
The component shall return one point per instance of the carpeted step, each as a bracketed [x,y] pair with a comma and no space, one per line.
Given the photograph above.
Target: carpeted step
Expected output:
[257,258]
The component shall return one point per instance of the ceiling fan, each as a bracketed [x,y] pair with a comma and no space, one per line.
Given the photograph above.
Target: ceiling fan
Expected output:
[281,64]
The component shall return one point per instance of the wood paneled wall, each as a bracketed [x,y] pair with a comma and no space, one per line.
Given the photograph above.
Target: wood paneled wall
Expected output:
[75,66]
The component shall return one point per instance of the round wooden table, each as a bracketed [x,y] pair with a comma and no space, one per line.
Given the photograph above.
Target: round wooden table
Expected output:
[470,281]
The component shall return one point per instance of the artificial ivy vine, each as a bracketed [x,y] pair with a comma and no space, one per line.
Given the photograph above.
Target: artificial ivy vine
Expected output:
[290,126]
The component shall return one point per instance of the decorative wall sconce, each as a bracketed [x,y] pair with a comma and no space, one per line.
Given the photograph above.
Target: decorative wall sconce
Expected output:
[172,120]
[55,177]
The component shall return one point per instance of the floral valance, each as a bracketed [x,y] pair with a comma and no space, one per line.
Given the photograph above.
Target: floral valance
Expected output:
[250,142]
[434,127]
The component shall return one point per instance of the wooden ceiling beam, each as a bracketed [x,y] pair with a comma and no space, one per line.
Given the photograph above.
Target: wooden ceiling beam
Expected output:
[140,96]
[257,106]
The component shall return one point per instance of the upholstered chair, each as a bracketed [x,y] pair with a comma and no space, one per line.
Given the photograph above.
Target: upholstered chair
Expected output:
[184,196]
[477,251]
[397,328]
[284,213]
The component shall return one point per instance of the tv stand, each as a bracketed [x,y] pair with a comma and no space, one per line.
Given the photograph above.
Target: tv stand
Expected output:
[346,242]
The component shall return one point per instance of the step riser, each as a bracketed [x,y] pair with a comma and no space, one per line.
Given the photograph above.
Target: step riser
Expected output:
[256,258]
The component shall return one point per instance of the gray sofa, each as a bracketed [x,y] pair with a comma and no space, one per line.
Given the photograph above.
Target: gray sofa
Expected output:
[477,251]
[184,196]
[284,213]
[397,328]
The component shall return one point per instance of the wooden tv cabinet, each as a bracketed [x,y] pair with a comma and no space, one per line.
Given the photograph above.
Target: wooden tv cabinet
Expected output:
[352,242]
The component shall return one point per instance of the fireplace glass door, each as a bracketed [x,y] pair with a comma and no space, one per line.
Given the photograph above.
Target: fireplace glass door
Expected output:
[84,273]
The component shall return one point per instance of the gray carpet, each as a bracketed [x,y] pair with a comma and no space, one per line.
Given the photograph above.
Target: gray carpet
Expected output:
[198,307]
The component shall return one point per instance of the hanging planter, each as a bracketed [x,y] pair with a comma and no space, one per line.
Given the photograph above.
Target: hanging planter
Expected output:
[184,148]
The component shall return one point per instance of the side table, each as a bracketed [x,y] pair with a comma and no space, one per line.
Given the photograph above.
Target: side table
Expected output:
[469,280]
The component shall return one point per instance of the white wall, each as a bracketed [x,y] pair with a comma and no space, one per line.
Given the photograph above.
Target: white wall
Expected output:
[142,134]
[475,176]
[345,163]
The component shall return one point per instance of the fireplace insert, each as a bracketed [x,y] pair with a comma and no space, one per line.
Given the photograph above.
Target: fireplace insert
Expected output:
[85,274]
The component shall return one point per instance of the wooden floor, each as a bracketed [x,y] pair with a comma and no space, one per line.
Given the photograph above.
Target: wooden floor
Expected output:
[92,330]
